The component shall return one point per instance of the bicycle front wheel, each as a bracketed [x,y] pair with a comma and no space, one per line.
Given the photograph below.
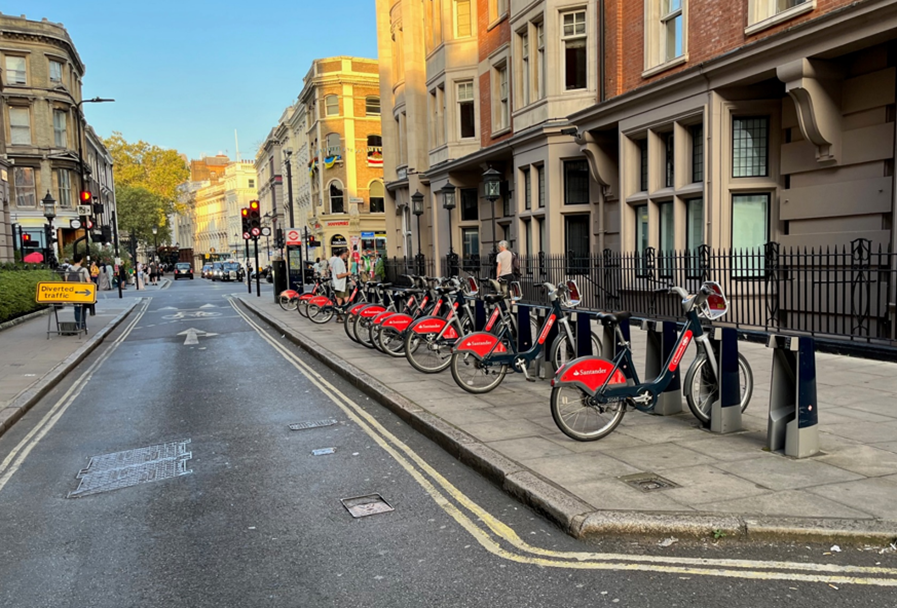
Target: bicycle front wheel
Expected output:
[302,307]
[287,303]
[474,376]
[319,314]
[701,387]
[426,353]
[579,417]
[350,325]
[392,342]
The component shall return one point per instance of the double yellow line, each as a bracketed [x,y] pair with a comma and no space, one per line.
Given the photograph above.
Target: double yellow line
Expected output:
[501,540]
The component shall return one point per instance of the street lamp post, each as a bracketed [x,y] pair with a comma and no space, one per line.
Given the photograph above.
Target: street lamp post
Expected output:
[155,243]
[448,203]
[81,152]
[49,205]
[492,187]
[289,154]
[417,208]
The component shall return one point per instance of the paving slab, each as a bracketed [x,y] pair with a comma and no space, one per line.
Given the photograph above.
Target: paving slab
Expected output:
[732,481]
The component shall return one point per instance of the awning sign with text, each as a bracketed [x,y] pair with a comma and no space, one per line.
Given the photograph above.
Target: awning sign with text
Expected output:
[66,293]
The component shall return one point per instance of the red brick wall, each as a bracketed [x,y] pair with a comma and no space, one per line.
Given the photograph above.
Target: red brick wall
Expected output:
[715,27]
[487,42]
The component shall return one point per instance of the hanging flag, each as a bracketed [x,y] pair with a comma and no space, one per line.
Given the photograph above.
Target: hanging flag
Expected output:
[329,161]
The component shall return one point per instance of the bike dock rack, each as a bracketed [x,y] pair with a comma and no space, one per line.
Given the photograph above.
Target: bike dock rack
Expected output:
[793,410]
[725,412]
[662,336]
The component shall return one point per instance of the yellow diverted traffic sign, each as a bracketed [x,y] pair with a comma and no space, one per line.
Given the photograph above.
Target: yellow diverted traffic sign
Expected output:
[66,293]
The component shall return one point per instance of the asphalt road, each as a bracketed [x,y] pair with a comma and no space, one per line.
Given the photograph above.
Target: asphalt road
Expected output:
[256,519]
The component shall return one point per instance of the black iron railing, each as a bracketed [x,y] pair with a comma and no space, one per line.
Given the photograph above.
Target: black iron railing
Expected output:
[844,293]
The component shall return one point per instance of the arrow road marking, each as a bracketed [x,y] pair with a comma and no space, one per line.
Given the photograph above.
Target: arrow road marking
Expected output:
[193,335]
[208,306]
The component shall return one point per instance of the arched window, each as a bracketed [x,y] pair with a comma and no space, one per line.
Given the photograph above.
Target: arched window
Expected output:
[332,144]
[336,197]
[375,141]
[372,106]
[331,105]
[376,197]
[375,151]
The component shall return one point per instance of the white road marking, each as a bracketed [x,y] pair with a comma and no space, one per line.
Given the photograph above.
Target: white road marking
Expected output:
[193,335]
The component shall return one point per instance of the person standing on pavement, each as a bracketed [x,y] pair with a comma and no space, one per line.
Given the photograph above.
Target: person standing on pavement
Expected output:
[79,274]
[504,271]
[94,273]
[103,283]
[339,274]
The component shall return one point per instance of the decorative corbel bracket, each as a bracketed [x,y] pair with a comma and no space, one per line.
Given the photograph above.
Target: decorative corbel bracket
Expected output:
[815,87]
[601,166]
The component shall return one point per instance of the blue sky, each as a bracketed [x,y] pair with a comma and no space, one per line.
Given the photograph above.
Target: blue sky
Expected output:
[186,73]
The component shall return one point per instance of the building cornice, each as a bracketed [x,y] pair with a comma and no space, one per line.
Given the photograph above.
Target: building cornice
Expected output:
[21,33]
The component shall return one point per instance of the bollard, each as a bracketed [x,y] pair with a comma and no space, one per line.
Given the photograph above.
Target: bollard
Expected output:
[725,412]
[583,334]
[661,341]
[793,415]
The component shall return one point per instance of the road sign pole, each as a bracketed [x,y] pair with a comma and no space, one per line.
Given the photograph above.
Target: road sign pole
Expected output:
[258,282]
[248,271]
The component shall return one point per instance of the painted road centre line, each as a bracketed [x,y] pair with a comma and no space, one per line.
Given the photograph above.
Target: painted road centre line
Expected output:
[501,540]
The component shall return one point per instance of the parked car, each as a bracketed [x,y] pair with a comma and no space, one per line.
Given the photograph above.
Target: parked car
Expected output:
[206,271]
[232,271]
[183,270]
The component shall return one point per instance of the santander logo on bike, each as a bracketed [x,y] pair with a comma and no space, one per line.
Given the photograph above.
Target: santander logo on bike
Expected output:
[680,352]
[547,328]
[590,372]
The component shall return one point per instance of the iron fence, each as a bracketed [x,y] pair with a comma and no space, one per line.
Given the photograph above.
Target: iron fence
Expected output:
[842,293]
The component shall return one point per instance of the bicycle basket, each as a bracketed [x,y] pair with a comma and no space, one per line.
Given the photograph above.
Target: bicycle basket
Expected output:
[716,305]
[514,291]
[570,296]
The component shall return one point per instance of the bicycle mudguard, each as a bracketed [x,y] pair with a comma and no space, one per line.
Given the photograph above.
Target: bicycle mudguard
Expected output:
[398,321]
[378,319]
[480,344]
[371,310]
[354,310]
[433,325]
[589,373]
[307,296]
[289,293]
[320,301]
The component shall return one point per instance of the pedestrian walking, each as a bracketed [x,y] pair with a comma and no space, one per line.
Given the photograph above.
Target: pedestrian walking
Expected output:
[94,273]
[339,272]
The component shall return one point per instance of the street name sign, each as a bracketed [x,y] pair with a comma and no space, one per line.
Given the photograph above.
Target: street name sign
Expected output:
[66,293]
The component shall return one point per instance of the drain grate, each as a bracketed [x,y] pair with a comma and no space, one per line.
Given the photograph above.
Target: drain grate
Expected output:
[648,482]
[132,467]
[363,506]
[301,426]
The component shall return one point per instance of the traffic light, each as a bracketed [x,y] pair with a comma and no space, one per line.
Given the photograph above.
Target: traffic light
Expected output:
[26,240]
[313,242]
[244,218]
[255,219]
[107,234]
[86,197]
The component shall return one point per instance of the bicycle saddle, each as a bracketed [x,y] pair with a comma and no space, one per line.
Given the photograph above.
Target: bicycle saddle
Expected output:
[610,319]
[493,298]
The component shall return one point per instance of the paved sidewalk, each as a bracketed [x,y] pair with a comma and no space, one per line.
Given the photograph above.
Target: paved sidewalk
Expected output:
[30,364]
[727,482]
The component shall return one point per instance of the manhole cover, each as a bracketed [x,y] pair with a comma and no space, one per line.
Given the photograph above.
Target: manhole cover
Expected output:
[301,426]
[133,467]
[648,482]
[362,506]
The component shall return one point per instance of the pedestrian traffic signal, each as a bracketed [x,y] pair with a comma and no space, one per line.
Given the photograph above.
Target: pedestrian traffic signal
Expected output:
[255,219]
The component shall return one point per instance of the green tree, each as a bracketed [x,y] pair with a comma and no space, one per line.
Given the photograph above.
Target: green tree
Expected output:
[140,210]
[148,166]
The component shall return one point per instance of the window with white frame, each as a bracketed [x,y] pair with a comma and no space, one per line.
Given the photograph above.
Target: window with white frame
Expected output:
[64,183]
[466,114]
[372,106]
[16,70]
[501,116]
[574,41]
[665,32]
[331,104]
[671,28]
[497,8]
[376,197]
[332,143]
[463,19]
[776,10]
[20,126]
[55,71]
[59,128]
[24,182]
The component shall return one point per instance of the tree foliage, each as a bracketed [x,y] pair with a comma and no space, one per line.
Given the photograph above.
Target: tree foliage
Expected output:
[144,165]
[140,210]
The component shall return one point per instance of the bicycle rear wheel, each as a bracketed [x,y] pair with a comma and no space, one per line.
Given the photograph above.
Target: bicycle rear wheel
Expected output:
[426,353]
[392,342]
[287,303]
[302,307]
[701,387]
[350,325]
[579,417]
[319,314]
[562,352]
[474,376]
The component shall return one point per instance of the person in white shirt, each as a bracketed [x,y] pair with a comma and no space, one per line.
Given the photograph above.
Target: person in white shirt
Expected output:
[505,270]
[339,272]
